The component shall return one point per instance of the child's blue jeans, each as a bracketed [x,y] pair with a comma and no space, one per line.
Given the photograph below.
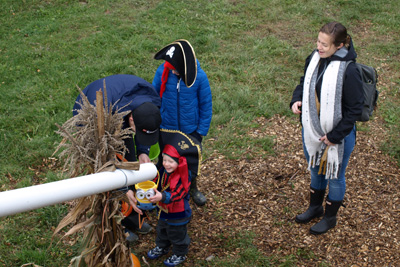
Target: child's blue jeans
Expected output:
[337,187]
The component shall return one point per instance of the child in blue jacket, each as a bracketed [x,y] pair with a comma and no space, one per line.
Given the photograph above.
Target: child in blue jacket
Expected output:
[186,100]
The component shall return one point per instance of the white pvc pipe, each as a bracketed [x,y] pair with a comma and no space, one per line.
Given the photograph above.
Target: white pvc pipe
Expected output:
[38,196]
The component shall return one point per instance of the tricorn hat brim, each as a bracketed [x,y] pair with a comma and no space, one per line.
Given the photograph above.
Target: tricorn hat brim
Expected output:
[180,54]
[185,145]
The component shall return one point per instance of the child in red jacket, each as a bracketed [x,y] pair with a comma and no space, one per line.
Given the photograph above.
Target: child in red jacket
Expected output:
[172,196]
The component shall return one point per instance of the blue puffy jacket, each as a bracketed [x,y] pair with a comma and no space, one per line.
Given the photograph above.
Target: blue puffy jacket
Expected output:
[186,109]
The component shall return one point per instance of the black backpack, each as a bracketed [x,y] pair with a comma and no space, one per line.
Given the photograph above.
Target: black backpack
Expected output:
[369,78]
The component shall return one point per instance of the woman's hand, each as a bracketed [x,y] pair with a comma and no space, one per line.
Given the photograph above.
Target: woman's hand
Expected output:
[157,197]
[296,107]
[133,201]
[326,141]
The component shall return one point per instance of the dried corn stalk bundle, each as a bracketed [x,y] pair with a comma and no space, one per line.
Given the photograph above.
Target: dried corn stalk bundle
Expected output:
[90,141]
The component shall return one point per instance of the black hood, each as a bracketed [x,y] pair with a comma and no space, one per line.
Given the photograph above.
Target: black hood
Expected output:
[340,55]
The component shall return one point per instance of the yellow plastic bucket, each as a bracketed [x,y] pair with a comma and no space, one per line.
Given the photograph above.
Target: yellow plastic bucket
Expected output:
[144,191]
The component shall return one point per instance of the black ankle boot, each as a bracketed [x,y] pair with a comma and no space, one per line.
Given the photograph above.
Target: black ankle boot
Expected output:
[329,219]
[315,209]
[196,195]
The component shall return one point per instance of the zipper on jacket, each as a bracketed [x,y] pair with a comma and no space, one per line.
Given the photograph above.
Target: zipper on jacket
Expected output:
[178,89]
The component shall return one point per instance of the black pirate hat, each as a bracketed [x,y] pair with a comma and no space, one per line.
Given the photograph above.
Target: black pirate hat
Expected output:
[180,54]
[186,146]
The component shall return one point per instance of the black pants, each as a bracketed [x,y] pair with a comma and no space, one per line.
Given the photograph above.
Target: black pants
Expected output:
[131,221]
[175,235]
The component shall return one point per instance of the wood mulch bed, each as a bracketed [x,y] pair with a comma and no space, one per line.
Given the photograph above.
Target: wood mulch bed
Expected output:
[261,197]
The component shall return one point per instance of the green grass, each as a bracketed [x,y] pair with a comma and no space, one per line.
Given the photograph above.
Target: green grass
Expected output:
[253,53]
[26,238]
[248,252]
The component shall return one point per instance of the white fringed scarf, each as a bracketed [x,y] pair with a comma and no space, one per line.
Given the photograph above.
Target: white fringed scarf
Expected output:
[315,126]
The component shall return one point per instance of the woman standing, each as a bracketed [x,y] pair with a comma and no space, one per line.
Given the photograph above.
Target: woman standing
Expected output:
[330,101]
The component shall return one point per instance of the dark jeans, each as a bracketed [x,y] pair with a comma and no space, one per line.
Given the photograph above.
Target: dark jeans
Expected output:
[175,235]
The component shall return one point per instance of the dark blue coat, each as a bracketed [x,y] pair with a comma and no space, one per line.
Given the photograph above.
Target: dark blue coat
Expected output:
[130,91]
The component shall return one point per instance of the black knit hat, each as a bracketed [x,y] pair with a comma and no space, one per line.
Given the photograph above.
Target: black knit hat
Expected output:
[147,121]
[180,54]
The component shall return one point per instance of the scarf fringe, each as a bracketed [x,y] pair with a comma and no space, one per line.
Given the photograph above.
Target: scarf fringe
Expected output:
[332,163]
[328,161]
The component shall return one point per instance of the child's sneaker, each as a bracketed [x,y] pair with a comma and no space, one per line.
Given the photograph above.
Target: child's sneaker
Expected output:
[156,252]
[174,260]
